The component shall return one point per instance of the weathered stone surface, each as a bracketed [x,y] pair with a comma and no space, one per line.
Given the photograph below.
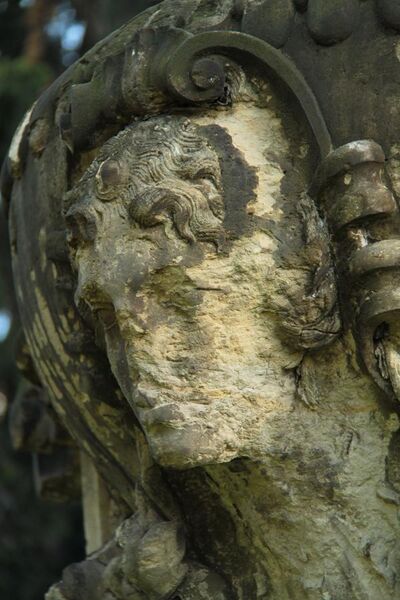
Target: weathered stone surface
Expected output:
[301,4]
[270,20]
[207,274]
[332,21]
[389,11]
[184,299]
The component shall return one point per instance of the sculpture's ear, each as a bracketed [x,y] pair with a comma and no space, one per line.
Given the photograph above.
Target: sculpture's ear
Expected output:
[111,175]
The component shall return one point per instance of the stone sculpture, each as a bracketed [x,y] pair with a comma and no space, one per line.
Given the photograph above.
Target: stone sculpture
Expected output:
[205,233]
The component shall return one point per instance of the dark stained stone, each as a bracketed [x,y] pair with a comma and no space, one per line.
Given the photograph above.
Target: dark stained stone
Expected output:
[389,12]
[301,4]
[270,21]
[332,21]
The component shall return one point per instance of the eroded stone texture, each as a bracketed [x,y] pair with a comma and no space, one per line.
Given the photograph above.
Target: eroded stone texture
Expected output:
[194,336]
[332,21]
[185,325]
[270,19]
[192,302]
[389,12]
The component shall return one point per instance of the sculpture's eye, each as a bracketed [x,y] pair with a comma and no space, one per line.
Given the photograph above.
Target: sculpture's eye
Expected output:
[109,177]
[208,174]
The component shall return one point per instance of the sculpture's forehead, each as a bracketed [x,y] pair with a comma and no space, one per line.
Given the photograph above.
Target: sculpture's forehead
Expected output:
[247,147]
[255,132]
[163,129]
[158,139]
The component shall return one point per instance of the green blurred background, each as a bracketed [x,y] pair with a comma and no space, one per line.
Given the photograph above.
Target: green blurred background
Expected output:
[38,40]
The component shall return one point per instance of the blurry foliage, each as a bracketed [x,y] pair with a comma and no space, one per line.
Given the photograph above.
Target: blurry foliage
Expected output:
[12,28]
[37,539]
[20,85]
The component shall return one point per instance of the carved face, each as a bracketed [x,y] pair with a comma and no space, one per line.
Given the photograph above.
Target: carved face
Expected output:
[173,234]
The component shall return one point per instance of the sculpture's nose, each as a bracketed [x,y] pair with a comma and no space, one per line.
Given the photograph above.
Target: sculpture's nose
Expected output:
[81,223]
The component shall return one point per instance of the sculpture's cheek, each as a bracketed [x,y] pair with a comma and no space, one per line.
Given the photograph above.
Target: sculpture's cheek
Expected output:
[188,339]
[205,367]
[115,267]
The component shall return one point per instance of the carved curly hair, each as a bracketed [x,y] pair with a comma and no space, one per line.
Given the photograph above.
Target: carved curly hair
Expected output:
[156,169]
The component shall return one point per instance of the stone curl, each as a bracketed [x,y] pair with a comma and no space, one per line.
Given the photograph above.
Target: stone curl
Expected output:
[159,170]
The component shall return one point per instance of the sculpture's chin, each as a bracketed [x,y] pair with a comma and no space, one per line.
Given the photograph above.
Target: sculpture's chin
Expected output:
[186,437]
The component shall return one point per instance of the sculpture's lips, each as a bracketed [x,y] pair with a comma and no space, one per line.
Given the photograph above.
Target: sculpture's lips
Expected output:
[143,399]
[167,414]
